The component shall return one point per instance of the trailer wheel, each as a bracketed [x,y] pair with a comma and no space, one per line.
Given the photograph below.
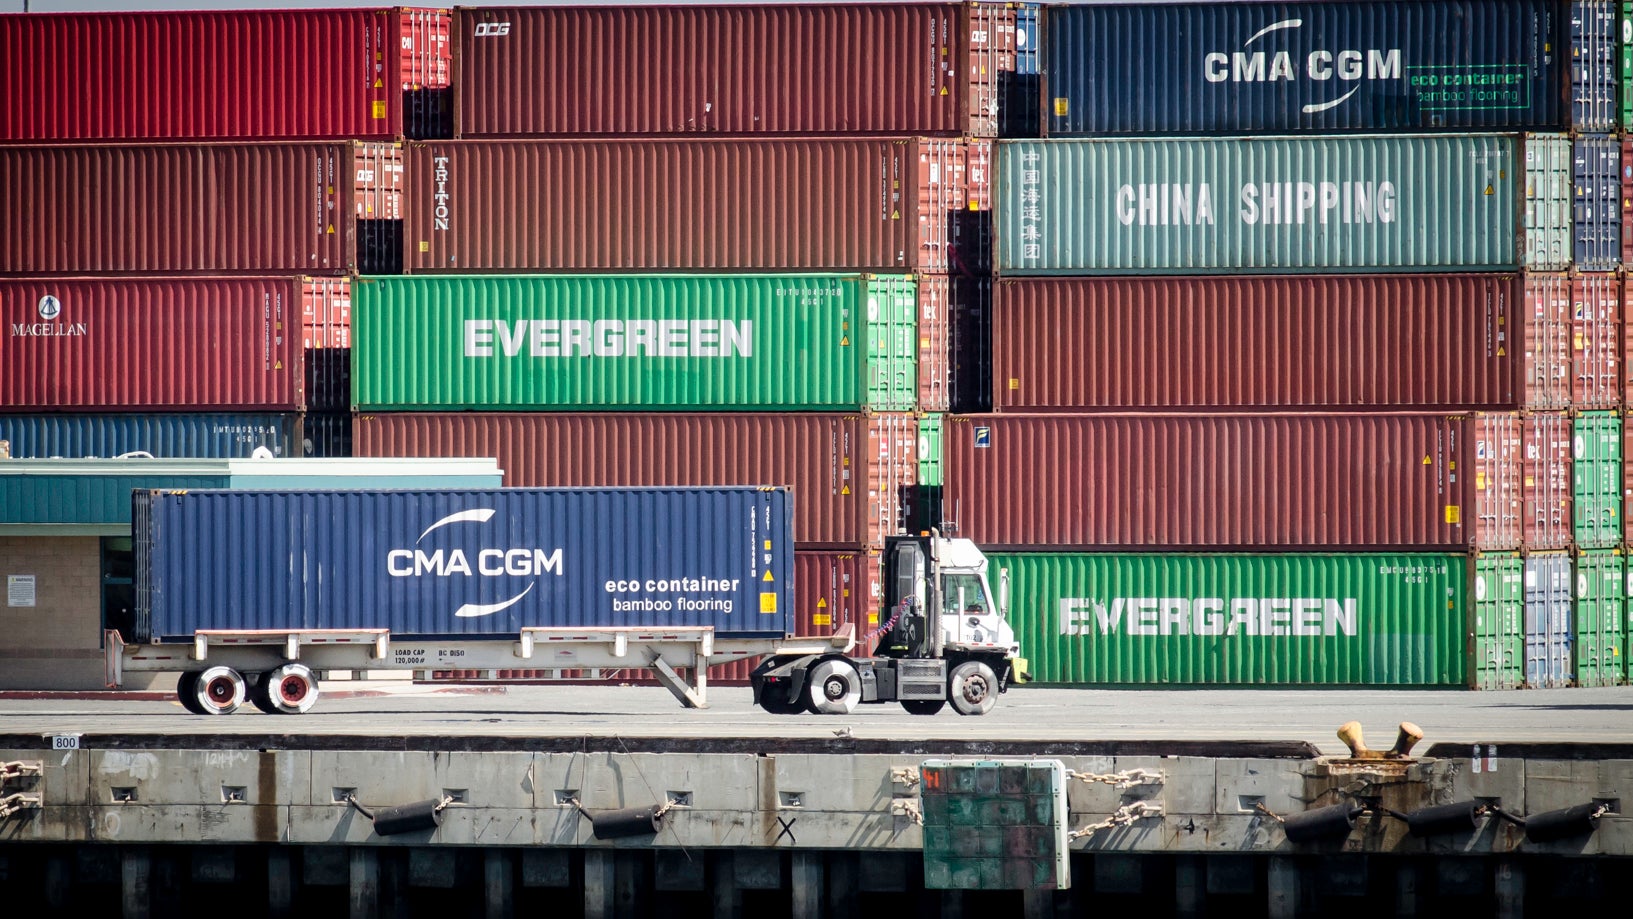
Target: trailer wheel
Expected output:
[923,706]
[218,691]
[292,689]
[833,687]
[186,692]
[973,688]
[258,694]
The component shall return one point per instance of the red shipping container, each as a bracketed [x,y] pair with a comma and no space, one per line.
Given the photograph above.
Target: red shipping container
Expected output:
[1271,342]
[326,313]
[239,75]
[922,68]
[1256,481]
[852,475]
[935,299]
[378,188]
[1546,482]
[150,344]
[182,208]
[427,49]
[1547,372]
[682,205]
[1596,341]
[1499,494]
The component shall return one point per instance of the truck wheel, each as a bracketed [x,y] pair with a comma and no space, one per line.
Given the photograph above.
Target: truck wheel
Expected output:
[782,706]
[186,692]
[923,706]
[292,689]
[218,691]
[973,688]
[258,694]
[833,687]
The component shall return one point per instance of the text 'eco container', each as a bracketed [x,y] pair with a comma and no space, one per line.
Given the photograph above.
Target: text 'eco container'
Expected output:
[576,342]
[133,344]
[462,563]
[1201,68]
[1248,619]
[1327,342]
[1213,205]
[1243,481]
[203,435]
[853,476]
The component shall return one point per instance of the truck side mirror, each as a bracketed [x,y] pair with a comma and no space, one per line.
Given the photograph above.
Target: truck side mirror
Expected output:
[1003,592]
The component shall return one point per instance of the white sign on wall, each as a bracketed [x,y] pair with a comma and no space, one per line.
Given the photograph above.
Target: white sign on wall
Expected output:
[19,590]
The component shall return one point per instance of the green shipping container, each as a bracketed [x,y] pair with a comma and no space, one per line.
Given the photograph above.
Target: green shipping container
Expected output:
[1372,619]
[834,342]
[1626,72]
[1596,479]
[1277,204]
[1499,622]
[926,511]
[1601,618]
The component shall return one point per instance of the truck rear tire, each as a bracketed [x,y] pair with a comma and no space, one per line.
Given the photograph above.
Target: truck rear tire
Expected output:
[923,706]
[258,694]
[292,689]
[218,690]
[973,688]
[187,692]
[833,687]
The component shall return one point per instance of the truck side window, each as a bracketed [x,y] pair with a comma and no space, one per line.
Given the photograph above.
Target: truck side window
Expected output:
[962,594]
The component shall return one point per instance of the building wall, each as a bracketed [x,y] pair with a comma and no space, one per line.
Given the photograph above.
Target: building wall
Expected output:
[55,644]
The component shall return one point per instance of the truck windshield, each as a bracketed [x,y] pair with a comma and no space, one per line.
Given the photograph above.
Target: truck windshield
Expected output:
[963,594]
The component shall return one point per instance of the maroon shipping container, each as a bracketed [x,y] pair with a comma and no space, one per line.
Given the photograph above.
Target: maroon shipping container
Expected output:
[852,475]
[151,344]
[683,205]
[1499,494]
[925,68]
[241,75]
[1547,371]
[185,208]
[1596,341]
[1244,481]
[935,368]
[1547,483]
[1289,342]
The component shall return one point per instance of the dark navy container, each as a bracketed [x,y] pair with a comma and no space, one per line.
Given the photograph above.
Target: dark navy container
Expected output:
[165,435]
[463,564]
[1594,53]
[1305,67]
[1596,203]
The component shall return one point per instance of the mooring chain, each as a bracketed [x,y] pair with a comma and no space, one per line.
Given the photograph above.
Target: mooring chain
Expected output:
[1124,816]
[1121,780]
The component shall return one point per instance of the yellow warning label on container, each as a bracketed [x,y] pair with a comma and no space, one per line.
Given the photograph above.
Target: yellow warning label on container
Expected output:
[378,84]
[768,577]
[768,603]
[1480,480]
[1489,190]
[379,108]
[1576,341]
[845,341]
[1014,383]
[1454,514]
[822,619]
[1501,351]
[331,229]
[1530,481]
[844,489]
[1427,461]
[944,90]
[873,618]
[768,544]
[1060,107]
[822,602]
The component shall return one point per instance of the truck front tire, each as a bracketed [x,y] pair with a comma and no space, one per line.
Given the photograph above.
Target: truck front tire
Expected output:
[833,687]
[973,688]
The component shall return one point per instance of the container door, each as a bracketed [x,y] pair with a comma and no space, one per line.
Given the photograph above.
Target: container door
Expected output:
[1497,474]
[1597,479]
[1499,619]
[1593,65]
[1596,341]
[1548,170]
[892,344]
[1600,614]
[1547,342]
[1596,209]
[1548,598]
[1546,480]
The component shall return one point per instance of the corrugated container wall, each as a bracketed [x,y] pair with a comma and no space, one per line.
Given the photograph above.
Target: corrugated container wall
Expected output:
[853,476]
[239,75]
[1201,68]
[1546,476]
[141,344]
[404,560]
[1282,481]
[1597,478]
[751,69]
[1240,619]
[1202,205]
[1547,371]
[743,342]
[1205,343]
[1597,340]
[1594,53]
[242,208]
[683,205]
[210,435]
[1597,209]
[1549,595]
[1600,639]
[1498,627]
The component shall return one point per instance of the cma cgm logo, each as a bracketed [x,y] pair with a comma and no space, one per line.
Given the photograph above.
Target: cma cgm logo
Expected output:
[488,562]
[1262,66]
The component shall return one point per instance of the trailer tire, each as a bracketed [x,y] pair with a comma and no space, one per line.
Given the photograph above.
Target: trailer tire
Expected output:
[973,688]
[218,691]
[186,689]
[833,687]
[923,706]
[258,695]
[292,689]
[782,706]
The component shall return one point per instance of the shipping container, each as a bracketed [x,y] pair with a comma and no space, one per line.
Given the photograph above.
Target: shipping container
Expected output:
[1547,372]
[919,68]
[1271,342]
[200,75]
[1240,619]
[1549,593]
[326,313]
[1376,67]
[146,344]
[1230,205]
[1242,481]
[1597,340]
[935,293]
[462,563]
[1627,485]
[1594,53]
[1600,638]
[850,473]
[1546,483]
[1597,196]
[831,204]
[927,511]
[1020,101]
[1597,479]
[200,435]
[1627,198]
[1625,84]
[581,342]
[1499,622]
[193,208]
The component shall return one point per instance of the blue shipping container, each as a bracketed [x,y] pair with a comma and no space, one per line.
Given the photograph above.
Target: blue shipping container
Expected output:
[1594,53]
[463,564]
[166,435]
[1296,67]
[1596,189]
[1548,600]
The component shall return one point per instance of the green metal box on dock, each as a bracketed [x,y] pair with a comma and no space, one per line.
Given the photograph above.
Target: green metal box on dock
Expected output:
[1294,619]
[1596,479]
[1600,623]
[788,342]
[1498,653]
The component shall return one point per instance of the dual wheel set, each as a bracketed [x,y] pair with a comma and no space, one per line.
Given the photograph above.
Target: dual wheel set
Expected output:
[291,689]
[833,687]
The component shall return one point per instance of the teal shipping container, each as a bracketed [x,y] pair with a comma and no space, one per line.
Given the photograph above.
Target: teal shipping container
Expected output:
[1601,618]
[1320,620]
[1596,479]
[1478,202]
[1499,622]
